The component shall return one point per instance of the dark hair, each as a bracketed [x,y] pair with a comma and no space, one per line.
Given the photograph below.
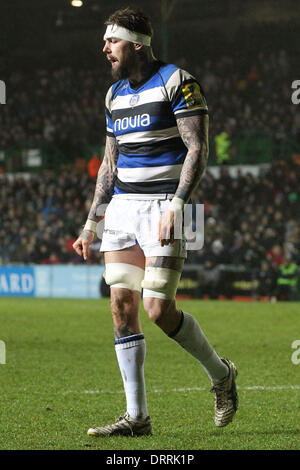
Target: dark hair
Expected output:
[131,18]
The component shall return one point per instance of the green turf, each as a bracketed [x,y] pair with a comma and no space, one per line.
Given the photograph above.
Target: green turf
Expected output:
[57,350]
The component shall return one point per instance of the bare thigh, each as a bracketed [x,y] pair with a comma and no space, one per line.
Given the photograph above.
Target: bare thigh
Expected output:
[133,255]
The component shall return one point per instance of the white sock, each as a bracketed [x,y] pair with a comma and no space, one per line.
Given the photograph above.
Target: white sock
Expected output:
[131,352]
[192,339]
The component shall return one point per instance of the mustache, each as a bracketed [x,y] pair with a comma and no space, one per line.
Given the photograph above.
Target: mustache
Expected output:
[111,58]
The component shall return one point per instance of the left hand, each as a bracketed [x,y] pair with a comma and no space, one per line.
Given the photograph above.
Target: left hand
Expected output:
[166,228]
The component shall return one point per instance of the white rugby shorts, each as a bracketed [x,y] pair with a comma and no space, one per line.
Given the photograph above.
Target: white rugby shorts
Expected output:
[133,219]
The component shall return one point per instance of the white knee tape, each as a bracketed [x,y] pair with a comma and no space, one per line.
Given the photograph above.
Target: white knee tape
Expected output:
[126,276]
[160,283]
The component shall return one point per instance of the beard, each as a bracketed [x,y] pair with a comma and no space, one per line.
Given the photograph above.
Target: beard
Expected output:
[124,68]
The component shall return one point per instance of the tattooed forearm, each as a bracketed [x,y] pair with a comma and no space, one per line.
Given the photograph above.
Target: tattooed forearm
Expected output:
[106,179]
[85,235]
[194,133]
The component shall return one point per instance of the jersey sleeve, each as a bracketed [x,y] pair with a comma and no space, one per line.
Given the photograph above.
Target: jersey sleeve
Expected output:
[109,124]
[186,95]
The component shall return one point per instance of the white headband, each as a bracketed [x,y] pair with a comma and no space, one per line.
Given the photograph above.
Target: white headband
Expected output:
[115,31]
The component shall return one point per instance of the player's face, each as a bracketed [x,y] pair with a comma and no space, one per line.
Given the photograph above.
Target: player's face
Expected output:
[121,55]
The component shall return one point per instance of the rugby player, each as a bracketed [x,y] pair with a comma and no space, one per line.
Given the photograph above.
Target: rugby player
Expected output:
[156,153]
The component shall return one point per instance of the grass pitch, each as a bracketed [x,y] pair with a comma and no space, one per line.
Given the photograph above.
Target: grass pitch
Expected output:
[61,377]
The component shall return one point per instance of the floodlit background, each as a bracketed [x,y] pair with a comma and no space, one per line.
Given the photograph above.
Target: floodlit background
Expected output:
[53,81]
[52,131]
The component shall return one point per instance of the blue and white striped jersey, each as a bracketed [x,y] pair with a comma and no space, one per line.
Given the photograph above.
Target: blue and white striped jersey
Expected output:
[143,121]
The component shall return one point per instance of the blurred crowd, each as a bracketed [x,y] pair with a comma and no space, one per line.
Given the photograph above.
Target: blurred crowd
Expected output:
[41,216]
[250,221]
[66,106]
[251,218]
[245,94]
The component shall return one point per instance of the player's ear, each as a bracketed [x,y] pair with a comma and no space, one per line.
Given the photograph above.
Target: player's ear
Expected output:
[137,47]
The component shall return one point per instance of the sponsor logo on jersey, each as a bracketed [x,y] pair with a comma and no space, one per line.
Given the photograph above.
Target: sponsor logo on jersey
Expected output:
[134,100]
[141,120]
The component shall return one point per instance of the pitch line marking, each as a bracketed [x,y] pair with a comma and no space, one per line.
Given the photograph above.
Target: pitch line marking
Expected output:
[195,389]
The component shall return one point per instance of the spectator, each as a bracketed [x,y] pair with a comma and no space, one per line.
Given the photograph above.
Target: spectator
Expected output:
[209,280]
[287,279]
[264,280]
[276,255]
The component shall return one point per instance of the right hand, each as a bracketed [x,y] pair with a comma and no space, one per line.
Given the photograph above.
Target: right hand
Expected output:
[82,244]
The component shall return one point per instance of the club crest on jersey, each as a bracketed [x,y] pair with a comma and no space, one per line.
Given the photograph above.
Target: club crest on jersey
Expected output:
[134,100]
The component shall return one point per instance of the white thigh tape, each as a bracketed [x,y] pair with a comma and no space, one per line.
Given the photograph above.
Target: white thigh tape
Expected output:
[160,283]
[126,276]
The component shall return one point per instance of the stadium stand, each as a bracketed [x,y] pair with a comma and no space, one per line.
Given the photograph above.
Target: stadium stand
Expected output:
[257,220]
[252,222]
[64,106]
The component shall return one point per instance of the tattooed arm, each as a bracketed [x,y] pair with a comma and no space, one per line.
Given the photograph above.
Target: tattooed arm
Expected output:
[105,179]
[103,194]
[194,133]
